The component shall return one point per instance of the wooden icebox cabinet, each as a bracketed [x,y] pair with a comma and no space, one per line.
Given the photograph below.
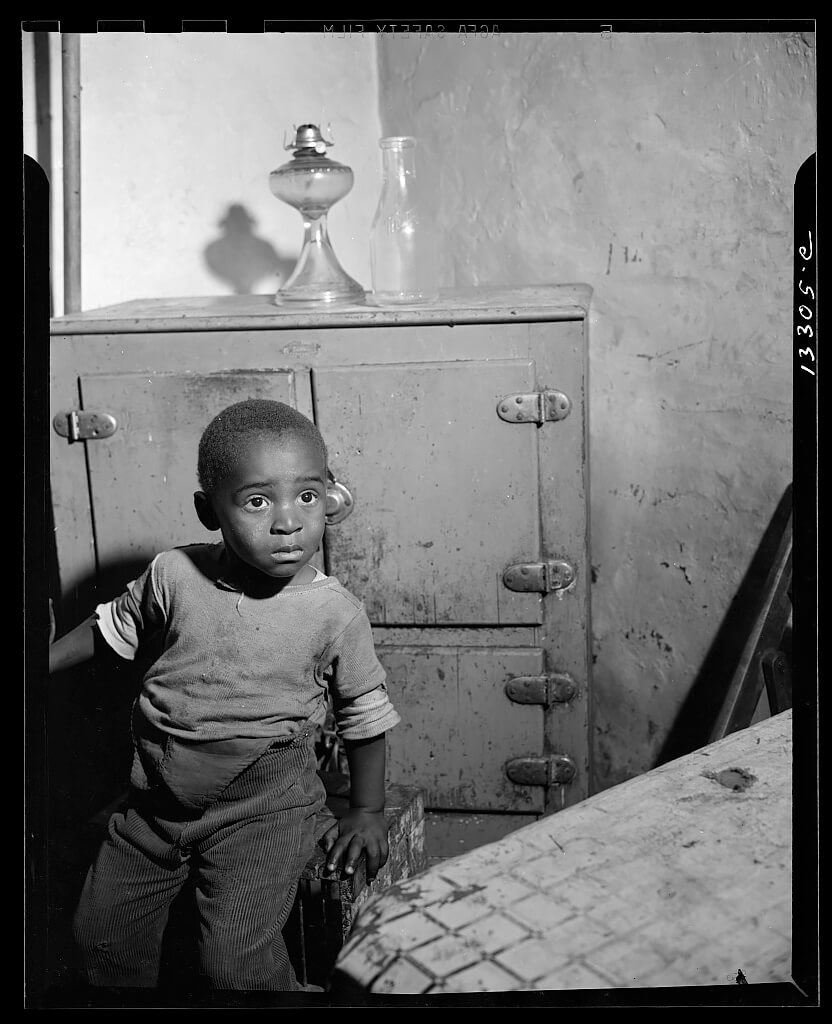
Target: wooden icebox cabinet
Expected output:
[457,436]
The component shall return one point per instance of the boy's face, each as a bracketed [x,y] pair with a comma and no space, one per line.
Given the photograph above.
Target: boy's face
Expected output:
[271,507]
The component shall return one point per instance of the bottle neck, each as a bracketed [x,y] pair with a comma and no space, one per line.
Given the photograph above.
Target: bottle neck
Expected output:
[398,165]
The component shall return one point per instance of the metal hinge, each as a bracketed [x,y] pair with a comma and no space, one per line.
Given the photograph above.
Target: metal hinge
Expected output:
[84,425]
[539,576]
[534,407]
[556,688]
[554,770]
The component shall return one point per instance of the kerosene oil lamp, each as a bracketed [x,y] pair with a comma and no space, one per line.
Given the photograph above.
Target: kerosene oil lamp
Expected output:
[311,182]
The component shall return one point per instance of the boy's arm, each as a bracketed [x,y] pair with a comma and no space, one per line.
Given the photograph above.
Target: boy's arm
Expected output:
[363,827]
[74,648]
[122,623]
[366,759]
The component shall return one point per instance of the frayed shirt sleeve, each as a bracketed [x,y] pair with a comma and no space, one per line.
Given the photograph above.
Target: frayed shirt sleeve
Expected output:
[359,690]
[366,716]
[133,616]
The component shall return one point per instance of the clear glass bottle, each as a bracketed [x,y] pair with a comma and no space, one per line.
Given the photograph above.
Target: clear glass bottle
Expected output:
[403,241]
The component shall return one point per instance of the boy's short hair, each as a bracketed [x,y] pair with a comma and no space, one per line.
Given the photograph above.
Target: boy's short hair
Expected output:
[222,439]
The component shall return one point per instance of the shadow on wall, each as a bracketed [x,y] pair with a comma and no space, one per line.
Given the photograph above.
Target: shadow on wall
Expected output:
[242,259]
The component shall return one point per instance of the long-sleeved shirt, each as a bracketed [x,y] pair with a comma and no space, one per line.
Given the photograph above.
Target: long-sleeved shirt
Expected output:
[236,667]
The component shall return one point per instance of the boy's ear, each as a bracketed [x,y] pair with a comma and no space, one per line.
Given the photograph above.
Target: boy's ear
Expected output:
[205,511]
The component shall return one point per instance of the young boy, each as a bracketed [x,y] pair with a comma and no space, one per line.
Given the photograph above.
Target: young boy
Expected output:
[224,779]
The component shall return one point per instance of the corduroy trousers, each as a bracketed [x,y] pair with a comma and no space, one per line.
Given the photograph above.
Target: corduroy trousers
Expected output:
[246,851]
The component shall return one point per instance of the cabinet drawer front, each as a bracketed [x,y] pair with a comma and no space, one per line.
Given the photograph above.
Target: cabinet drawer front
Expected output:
[459,728]
[446,493]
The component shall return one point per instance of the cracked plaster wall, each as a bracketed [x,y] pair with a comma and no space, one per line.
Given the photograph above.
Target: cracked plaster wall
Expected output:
[659,169]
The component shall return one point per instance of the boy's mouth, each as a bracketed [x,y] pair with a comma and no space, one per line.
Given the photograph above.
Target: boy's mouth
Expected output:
[291,554]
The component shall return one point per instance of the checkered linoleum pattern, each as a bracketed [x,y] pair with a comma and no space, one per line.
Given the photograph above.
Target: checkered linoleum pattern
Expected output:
[672,878]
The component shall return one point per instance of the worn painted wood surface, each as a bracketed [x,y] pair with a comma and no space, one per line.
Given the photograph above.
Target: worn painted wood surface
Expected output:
[143,478]
[446,495]
[426,457]
[243,312]
[679,877]
[458,729]
[448,834]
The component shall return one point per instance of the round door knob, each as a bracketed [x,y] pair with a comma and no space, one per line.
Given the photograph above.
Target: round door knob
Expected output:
[339,502]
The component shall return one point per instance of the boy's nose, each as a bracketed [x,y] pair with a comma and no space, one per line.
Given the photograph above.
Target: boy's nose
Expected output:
[286,523]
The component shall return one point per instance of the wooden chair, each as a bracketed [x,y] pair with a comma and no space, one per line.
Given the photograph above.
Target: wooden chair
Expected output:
[748,665]
[764,664]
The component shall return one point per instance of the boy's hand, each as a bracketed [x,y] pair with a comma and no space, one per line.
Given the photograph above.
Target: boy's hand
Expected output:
[358,830]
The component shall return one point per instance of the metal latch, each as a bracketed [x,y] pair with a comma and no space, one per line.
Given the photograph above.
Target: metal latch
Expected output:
[539,576]
[554,770]
[534,407]
[84,425]
[556,688]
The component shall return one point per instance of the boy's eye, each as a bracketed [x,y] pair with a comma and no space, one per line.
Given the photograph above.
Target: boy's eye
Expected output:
[256,502]
[308,497]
